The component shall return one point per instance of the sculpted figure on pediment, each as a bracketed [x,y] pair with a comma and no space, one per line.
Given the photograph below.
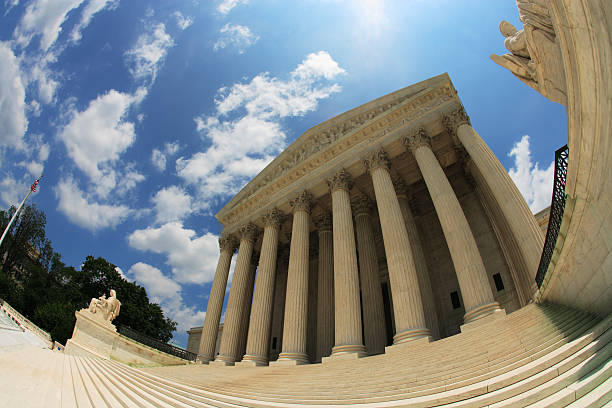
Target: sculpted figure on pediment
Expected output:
[535,55]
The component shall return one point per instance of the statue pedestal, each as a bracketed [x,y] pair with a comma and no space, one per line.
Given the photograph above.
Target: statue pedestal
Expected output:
[92,335]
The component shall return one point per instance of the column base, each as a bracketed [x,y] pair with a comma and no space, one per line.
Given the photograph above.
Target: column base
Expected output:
[482,311]
[252,361]
[291,359]
[410,335]
[495,316]
[222,361]
[203,359]
[413,344]
[345,352]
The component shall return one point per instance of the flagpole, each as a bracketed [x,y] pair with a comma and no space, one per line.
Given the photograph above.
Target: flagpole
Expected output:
[33,188]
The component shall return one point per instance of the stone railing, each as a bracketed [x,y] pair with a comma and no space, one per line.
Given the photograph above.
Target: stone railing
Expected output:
[156,344]
[556,212]
[26,323]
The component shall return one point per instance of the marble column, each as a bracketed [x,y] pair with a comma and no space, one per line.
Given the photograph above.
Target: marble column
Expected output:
[429,305]
[206,353]
[296,301]
[278,309]
[228,350]
[374,331]
[404,284]
[263,296]
[247,303]
[516,213]
[347,305]
[475,289]
[325,289]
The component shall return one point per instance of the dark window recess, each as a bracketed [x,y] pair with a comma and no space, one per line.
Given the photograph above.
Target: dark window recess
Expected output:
[273,343]
[499,283]
[455,300]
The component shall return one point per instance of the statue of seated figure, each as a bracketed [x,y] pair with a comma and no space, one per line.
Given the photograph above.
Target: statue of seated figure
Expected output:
[108,307]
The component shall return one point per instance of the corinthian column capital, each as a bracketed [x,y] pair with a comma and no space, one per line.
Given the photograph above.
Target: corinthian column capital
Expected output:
[342,180]
[361,204]
[324,222]
[417,138]
[377,159]
[274,218]
[249,232]
[453,119]
[303,202]
[227,243]
[401,188]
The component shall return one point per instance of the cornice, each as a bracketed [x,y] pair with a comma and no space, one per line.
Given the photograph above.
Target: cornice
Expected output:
[324,143]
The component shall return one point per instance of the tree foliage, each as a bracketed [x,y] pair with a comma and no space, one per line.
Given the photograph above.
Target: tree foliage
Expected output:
[35,281]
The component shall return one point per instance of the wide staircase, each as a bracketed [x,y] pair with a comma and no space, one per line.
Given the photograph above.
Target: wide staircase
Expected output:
[540,356]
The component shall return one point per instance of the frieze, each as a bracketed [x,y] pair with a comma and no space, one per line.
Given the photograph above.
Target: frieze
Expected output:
[280,177]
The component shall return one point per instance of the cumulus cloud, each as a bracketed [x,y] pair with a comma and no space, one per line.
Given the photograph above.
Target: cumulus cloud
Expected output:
[242,146]
[13,121]
[535,184]
[86,213]
[236,36]
[225,6]
[145,58]
[44,18]
[193,259]
[12,190]
[92,8]
[158,157]
[96,137]
[167,293]
[182,21]
[171,204]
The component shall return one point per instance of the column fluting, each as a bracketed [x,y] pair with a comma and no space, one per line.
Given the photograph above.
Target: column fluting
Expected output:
[206,351]
[237,296]
[374,331]
[475,289]
[516,213]
[295,325]
[263,296]
[247,303]
[325,289]
[347,305]
[429,305]
[407,304]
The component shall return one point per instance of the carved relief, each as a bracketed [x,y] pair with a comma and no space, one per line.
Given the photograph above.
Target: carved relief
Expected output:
[377,159]
[323,147]
[417,138]
[228,243]
[324,222]
[274,218]
[303,202]
[535,55]
[342,180]
[249,232]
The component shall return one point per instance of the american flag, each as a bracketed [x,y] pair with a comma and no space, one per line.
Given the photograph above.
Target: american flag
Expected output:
[33,188]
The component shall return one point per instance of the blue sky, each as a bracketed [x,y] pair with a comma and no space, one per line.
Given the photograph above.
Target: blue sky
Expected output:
[147,117]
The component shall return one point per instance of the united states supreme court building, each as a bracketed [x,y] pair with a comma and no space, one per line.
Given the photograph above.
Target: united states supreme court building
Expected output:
[389,224]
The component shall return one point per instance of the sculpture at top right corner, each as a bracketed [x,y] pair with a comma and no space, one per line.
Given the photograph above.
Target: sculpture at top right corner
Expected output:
[535,54]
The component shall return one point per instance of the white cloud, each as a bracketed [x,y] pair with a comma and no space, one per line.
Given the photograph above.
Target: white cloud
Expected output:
[158,157]
[44,18]
[171,204]
[192,259]
[167,293]
[89,215]
[535,184]
[12,190]
[182,21]
[225,6]
[241,147]
[13,121]
[96,137]
[120,272]
[236,36]
[145,58]
[92,8]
